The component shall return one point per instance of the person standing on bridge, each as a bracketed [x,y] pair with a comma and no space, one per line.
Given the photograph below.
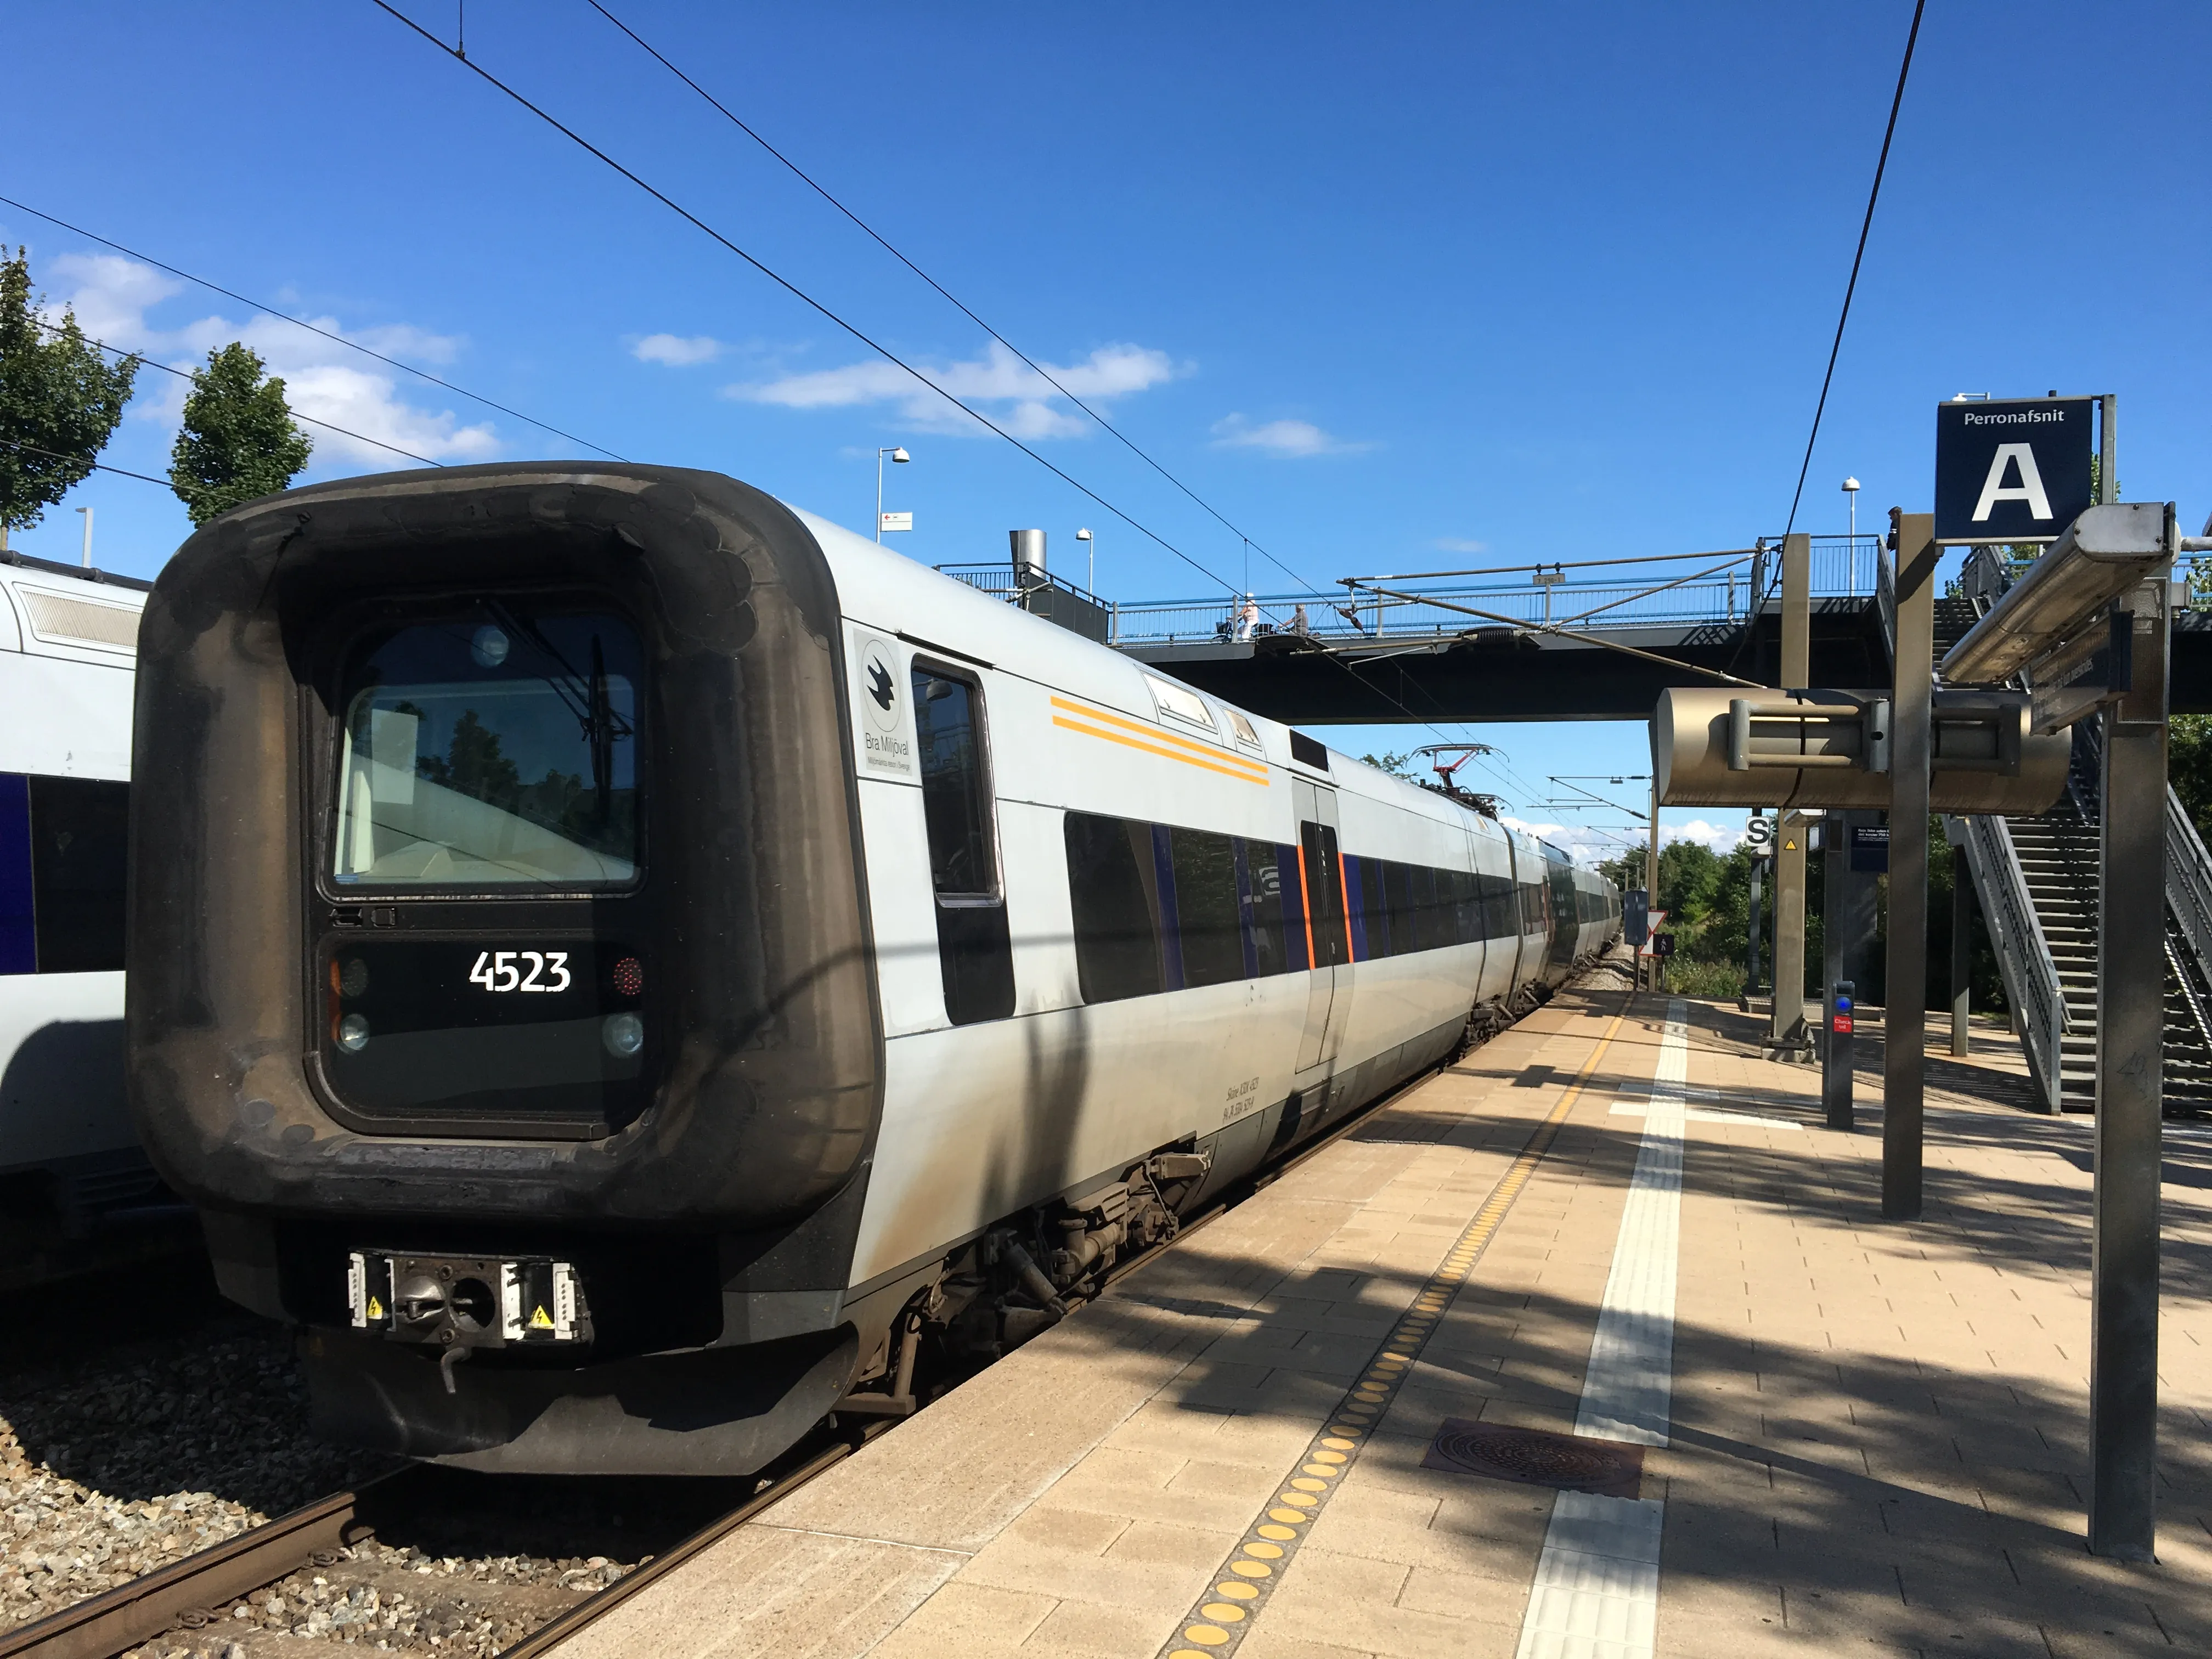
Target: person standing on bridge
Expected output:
[1248,618]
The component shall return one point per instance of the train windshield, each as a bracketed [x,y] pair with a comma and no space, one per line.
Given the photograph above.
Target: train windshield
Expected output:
[496,749]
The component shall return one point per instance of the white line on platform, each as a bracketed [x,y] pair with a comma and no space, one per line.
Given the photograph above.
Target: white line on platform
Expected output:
[1597,1578]
[1636,1109]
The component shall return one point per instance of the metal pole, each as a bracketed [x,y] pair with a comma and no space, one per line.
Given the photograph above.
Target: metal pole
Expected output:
[1905,1020]
[1962,950]
[88,536]
[1835,1047]
[1651,867]
[2130,1037]
[1786,1027]
[1751,945]
[2108,450]
[879,496]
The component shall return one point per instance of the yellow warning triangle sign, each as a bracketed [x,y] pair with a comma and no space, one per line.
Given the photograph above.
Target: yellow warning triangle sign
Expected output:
[1788,846]
[540,1322]
[375,1309]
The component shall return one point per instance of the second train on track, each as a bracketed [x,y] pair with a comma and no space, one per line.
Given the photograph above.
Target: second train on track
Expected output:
[629,967]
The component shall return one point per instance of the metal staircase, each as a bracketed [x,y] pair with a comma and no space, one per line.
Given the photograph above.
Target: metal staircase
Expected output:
[2037,881]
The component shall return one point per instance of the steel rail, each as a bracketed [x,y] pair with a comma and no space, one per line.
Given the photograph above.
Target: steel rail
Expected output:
[123,1618]
[596,1607]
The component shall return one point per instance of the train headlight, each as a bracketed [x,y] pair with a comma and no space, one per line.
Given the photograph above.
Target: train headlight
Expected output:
[353,1034]
[353,978]
[623,1034]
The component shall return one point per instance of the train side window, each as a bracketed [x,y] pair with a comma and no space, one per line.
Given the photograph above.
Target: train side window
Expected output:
[1371,891]
[975,950]
[79,834]
[1261,895]
[1297,937]
[1207,918]
[1317,848]
[1112,891]
[1459,910]
[1397,881]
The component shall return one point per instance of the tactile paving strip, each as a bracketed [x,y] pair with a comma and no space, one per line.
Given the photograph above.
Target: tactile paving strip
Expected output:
[1221,1619]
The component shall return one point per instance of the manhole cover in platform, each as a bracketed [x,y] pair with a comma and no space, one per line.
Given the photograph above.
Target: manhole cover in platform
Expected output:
[1566,1462]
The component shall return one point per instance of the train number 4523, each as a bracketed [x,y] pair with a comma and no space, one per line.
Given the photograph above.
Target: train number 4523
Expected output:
[521,970]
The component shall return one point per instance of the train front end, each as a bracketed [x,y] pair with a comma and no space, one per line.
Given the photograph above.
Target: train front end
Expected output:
[498,978]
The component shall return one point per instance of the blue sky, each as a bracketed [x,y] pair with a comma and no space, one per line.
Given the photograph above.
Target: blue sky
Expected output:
[1393,287]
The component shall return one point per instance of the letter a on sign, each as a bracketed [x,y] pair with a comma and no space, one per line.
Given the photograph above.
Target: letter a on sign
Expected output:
[2029,489]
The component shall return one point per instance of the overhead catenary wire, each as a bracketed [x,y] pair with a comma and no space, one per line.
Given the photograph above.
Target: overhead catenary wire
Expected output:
[799,293]
[1850,288]
[876,236]
[97,466]
[311,328]
[186,375]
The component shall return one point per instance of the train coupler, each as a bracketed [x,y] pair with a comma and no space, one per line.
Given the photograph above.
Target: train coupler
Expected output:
[466,1302]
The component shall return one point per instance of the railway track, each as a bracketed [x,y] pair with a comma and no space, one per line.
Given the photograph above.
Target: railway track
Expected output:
[187,1600]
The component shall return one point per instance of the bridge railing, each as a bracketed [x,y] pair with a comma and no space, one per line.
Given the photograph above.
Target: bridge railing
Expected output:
[1842,566]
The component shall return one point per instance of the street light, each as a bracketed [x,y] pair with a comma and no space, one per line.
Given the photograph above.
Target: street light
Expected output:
[1089,562]
[901,457]
[1851,494]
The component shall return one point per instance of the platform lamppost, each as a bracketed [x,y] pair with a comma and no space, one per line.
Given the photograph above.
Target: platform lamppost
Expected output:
[1089,562]
[902,457]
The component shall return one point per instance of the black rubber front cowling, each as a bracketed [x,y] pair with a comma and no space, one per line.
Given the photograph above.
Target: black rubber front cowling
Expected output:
[735,941]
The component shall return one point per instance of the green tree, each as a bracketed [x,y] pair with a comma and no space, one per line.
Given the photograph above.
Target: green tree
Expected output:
[2189,766]
[238,441]
[60,399]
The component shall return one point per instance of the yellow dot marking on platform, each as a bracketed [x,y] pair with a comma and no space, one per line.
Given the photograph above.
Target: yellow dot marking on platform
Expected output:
[1327,1457]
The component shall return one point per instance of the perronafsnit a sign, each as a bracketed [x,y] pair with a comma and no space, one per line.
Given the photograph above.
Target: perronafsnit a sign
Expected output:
[2014,472]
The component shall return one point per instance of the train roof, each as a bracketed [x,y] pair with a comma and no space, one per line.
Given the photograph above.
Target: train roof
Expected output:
[889,590]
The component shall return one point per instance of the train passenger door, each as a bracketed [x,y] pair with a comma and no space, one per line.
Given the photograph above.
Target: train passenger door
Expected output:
[1321,877]
[975,950]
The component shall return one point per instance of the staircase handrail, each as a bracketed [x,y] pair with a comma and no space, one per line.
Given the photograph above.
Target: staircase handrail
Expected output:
[2024,959]
[2189,909]
[2188,876]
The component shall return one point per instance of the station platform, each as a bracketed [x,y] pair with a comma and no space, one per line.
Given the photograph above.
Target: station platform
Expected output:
[1594,1344]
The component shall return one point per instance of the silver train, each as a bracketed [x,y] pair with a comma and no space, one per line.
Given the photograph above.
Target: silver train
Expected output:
[632,968]
[72,1178]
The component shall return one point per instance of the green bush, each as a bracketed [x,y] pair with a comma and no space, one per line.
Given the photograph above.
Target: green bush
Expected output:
[1717,981]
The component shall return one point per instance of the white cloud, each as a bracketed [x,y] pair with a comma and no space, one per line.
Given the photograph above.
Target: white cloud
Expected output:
[1014,395]
[1721,838]
[1459,545]
[675,351]
[1290,439]
[1587,846]
[323,379]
